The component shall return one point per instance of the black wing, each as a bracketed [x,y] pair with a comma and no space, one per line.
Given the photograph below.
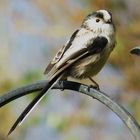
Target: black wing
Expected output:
[97,45]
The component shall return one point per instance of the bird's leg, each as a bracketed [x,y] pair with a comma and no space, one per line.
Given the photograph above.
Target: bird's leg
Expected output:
[96,86]
[63,78]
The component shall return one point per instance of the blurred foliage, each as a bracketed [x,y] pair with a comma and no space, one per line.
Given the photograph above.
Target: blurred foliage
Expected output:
[63,124]
[30,76]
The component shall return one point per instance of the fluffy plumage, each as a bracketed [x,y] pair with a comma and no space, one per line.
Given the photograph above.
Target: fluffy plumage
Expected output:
[83,56]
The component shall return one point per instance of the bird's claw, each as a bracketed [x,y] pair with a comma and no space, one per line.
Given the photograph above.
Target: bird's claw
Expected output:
[61,83]
[93,86]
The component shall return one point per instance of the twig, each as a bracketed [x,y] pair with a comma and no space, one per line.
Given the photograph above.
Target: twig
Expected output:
[135,51]
[124,115]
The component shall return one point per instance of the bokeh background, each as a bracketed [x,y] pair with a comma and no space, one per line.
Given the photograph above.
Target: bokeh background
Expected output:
[31,32]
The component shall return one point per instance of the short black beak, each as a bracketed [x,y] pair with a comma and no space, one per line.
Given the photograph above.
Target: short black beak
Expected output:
[109,21]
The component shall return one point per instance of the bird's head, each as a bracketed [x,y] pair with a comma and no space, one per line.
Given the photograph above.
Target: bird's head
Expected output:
[99,20]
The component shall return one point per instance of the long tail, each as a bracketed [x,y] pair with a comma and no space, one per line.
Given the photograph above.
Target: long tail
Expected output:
[56,76]
[35,101]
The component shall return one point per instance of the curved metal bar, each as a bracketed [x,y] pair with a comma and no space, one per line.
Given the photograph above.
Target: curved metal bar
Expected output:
[123,114]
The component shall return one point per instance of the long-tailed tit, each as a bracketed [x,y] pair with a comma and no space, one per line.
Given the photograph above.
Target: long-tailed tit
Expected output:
[81,57]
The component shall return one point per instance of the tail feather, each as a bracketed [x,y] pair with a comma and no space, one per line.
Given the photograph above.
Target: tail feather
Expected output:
[35,101]
[55,77]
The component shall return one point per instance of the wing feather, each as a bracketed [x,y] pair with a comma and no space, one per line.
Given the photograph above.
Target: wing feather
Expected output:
[94,46]
[60,53]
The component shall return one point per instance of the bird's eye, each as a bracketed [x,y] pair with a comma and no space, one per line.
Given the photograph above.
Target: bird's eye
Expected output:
[97,20]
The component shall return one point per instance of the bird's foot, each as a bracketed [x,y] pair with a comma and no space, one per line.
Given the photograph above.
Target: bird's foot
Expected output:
[61,84]
[93,86]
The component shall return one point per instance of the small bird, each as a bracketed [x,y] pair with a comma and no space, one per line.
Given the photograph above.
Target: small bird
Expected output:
[83,56]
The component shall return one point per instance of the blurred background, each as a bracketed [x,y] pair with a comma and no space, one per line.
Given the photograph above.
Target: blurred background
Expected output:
[31,32]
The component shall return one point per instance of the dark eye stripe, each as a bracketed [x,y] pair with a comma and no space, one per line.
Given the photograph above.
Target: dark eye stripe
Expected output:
[99,15]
